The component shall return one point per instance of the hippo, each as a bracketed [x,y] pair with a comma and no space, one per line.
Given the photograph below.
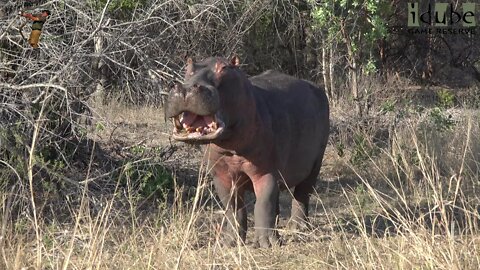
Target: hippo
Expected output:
[262,133]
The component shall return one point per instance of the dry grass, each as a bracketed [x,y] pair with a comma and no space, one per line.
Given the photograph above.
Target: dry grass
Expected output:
[412,204]
[400,194]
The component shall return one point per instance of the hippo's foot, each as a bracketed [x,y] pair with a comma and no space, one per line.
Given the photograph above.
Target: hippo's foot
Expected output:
[297,229]
[232,237]
[231,241]
[267,240]
[295,225]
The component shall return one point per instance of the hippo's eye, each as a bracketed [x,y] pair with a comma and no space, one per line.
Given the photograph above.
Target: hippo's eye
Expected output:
[223,70]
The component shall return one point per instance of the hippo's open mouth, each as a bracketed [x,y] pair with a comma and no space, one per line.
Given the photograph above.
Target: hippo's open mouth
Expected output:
[189,126]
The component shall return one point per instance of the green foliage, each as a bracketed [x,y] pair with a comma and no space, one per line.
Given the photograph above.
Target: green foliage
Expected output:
[340,147]
[122,4]
[138,150]
[370,67]
[446,98]
[387,106]
[122,8]
[440,120]
[22,225]
[325,20]
[147,179]
[48,241]
[12,150]
[362,150]
[363,198]
[99,127]
[329,15]
[364,21]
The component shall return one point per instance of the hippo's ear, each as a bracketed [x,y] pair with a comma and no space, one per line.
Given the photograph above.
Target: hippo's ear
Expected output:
[219,65]
[189,68]
[235,61]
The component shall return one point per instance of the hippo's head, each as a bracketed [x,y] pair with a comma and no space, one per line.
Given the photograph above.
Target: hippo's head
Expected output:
[208,105]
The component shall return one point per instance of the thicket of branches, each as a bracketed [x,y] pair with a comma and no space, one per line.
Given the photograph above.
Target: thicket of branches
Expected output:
[136,48]
[132,50]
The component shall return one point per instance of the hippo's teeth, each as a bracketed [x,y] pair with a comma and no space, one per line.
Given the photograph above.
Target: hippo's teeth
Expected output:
[199,129]
[189,129]
[213,125]
[176,123]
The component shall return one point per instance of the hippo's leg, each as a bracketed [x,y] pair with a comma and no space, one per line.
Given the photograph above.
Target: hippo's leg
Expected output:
[301,197]
[236,213]
[266,209]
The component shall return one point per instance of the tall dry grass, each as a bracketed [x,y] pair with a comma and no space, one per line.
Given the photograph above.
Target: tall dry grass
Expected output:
[410,203]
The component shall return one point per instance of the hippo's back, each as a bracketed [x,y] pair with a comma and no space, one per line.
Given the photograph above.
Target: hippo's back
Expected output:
[279,89]
[275,81]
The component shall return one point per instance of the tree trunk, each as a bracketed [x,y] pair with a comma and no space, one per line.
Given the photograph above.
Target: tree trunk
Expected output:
[326,83]
[354,85]
[98,64]
[351,58]
[331,68]
[383,58]
[310,49]
[428,72]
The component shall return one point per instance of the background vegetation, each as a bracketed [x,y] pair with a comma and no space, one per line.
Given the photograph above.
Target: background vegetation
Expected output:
[89,178]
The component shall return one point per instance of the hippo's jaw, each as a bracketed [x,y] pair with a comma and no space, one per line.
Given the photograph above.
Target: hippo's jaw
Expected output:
[194,128]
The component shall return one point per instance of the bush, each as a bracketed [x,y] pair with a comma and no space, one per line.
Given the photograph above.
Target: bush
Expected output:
[146,179]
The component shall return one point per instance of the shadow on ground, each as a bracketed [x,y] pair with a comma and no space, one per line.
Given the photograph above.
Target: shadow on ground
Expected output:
[437,220]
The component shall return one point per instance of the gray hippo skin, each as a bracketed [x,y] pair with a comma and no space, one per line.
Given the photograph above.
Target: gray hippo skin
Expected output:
[263,133]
